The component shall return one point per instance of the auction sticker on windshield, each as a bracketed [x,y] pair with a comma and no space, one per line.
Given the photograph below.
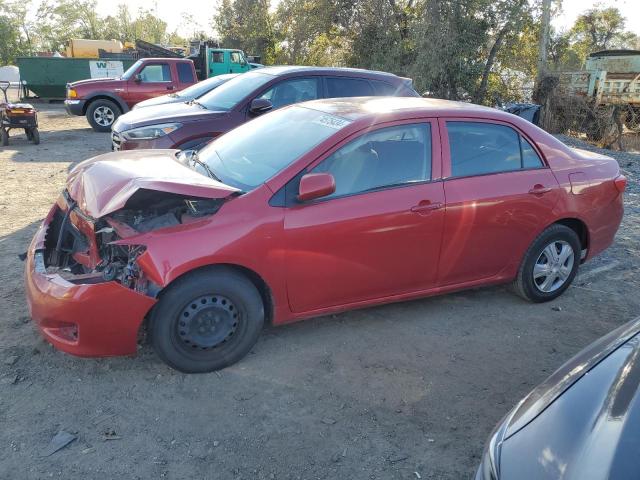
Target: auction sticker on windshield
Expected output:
[332,122]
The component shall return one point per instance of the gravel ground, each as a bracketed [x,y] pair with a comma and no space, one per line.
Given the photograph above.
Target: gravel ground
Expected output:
[402,391]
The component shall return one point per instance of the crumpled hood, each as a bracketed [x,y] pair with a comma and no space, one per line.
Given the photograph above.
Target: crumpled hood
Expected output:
[103,184]
[166,113]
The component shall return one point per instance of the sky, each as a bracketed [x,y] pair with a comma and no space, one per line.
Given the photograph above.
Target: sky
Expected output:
[203,10]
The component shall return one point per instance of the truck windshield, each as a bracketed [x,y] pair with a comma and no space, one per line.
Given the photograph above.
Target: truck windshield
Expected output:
[227,96]
[131,70]
[254,152]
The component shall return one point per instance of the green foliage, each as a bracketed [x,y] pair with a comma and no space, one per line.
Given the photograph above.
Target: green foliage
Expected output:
[600,29]
[14,39]
[479,50]
[246,24]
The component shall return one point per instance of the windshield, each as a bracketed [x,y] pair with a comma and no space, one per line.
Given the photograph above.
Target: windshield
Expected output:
[199,89]
[227,96]
[254,152]
[131,70]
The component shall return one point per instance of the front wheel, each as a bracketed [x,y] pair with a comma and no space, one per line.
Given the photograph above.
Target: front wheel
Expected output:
[4,137]
[101,115]
[549,265]
[206,320]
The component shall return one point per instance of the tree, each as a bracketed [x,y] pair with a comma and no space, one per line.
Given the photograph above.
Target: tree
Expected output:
[14,31]
[600,29]
[58,21]
[314,32]
[247,25]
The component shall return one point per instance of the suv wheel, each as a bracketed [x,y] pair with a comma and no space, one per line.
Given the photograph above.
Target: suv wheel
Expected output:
[101,114]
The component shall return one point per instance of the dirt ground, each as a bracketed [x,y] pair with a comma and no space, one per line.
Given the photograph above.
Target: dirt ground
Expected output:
[404,391]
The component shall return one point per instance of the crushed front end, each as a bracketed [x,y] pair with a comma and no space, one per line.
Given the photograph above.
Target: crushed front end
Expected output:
[85,288]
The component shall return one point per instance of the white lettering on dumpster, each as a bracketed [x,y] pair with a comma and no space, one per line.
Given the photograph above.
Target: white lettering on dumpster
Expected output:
[106,68]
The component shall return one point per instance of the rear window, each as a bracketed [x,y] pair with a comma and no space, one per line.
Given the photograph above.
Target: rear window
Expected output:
[385,89]
[185,73]
[348,87]
[479,148]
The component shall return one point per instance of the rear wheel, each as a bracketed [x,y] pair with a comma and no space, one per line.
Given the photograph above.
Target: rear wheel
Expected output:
[101,115]
[549,265]
[207,320]
[34,136]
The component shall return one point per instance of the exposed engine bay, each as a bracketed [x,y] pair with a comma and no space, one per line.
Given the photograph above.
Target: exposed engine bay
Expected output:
[82,249]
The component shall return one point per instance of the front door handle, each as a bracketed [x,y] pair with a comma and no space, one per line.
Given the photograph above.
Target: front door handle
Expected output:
[170,87]
[425,207]
[539,189]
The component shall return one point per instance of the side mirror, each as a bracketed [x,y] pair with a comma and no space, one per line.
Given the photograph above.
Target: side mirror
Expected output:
[316,185]
[137,78]
[260,105]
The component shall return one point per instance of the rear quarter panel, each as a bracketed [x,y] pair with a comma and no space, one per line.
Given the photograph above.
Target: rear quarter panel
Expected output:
[590,195]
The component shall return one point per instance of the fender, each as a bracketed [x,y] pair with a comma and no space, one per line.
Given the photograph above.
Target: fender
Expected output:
[124,108]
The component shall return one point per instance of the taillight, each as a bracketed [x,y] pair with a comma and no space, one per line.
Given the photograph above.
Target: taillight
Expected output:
[620,183]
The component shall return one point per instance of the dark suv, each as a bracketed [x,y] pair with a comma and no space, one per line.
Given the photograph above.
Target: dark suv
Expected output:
[193,124]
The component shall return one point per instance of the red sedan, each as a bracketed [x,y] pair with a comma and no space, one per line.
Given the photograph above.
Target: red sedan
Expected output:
[315,208]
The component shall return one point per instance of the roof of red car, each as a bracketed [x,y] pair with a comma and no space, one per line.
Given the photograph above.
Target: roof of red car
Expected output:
[363,107]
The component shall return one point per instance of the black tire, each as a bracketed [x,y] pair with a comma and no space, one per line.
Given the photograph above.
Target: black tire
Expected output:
[35,136]
[214,294]
[4,137]
[532,289]
[101,115]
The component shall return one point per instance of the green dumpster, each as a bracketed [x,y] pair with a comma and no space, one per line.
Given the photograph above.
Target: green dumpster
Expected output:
[47,77]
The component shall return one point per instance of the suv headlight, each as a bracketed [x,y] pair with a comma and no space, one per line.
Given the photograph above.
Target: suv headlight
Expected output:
[150,132]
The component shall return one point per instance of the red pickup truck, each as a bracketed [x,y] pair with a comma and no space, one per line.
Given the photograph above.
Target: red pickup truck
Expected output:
[103,100]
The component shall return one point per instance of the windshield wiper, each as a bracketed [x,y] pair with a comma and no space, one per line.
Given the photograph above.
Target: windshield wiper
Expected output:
[195,102]
[194,157]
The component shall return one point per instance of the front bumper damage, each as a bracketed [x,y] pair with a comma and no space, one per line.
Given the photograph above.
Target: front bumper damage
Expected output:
[84,314]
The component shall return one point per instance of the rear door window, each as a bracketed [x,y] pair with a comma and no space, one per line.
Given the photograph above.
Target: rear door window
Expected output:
[385,89]
[348,87]
[530,158]
[185,73]
[479,148]
[217,57]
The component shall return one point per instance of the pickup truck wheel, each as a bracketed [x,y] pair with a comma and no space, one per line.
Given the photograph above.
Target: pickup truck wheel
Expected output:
[206,320]
[101,114]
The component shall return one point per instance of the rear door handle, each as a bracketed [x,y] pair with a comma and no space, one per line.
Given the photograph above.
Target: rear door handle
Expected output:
[426,207]
[539,190]
[170,87]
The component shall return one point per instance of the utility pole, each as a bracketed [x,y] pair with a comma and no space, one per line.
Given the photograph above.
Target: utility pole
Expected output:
[544,39]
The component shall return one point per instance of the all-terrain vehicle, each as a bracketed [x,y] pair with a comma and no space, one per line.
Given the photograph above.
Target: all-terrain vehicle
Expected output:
[17,115]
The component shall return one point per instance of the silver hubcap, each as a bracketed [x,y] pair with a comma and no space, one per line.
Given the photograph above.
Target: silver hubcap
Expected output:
[103,116]
[553,266]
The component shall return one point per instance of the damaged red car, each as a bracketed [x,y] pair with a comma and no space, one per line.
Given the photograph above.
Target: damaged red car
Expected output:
[315,208]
